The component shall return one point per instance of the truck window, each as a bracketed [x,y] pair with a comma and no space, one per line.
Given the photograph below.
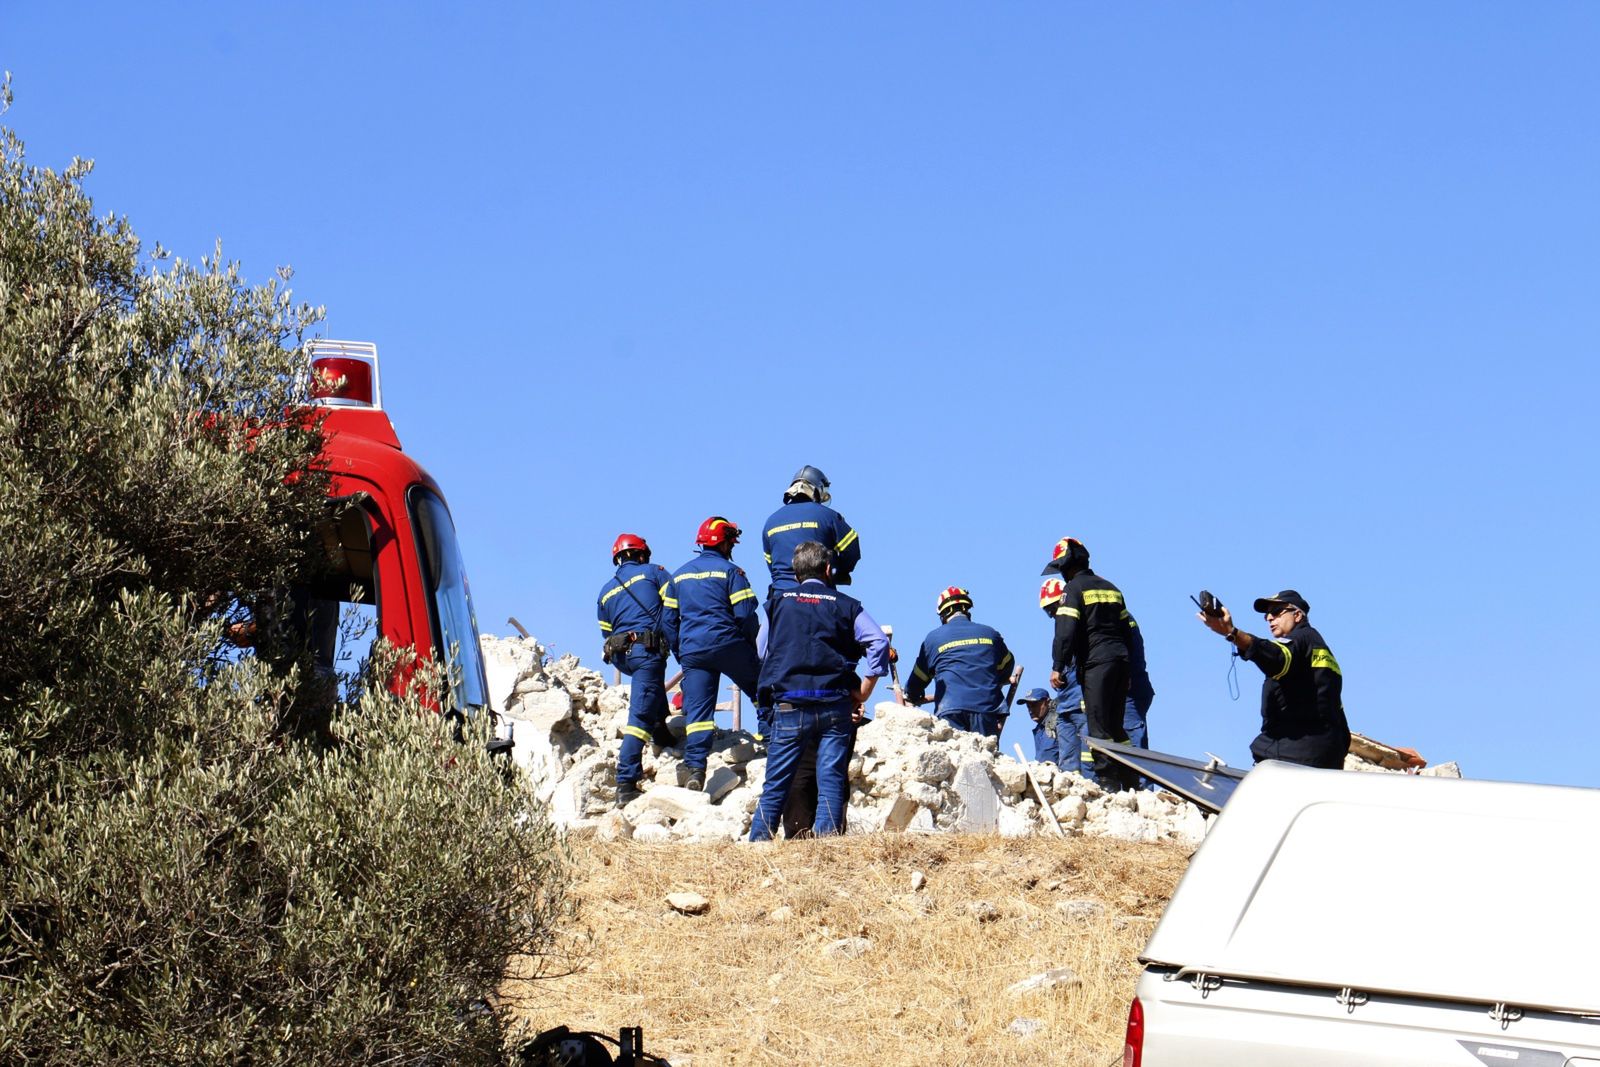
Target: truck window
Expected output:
[455,628]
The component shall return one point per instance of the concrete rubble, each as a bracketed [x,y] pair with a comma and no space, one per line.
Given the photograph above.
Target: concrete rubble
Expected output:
[911,772]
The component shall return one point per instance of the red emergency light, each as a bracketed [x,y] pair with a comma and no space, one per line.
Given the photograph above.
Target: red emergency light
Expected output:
[345,373]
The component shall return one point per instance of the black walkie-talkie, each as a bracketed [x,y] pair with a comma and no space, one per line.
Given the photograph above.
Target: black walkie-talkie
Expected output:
[1209,605]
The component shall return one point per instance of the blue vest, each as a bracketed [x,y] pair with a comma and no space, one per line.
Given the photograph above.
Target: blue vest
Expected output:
[709,605]
[636,607]
[792,525]
[812,650]
[968,664]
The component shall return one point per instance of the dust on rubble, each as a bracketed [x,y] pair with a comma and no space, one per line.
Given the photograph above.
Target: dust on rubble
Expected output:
[869,950]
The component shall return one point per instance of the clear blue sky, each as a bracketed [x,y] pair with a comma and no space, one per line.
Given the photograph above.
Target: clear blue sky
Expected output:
[1244,296]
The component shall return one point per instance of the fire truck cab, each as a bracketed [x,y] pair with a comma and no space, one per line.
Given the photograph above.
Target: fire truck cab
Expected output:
[396,555]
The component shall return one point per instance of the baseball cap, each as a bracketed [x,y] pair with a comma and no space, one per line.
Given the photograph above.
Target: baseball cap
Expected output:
[1033,696]
[1288,597]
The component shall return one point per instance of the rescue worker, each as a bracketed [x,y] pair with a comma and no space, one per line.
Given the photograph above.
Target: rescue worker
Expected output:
[968,664]
[816,637]
[1092,635]
[1141,694]
[805,516]
[1302,706]
[630,609]
[1042,710]
[709,619]
[1072,726]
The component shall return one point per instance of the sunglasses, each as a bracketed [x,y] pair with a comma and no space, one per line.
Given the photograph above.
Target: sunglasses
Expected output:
[1275,612]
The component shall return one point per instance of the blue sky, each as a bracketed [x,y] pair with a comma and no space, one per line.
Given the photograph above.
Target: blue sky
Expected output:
[1243,295]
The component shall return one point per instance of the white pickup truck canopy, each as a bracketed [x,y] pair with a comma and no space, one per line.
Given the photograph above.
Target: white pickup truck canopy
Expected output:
[1435,887]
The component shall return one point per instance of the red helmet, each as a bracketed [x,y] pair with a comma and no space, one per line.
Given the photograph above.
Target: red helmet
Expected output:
[954,598]
[629,543]
[1051,591]
[1069,551]
[717,531]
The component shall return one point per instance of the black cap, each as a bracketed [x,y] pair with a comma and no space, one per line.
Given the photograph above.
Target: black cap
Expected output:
[1287,597]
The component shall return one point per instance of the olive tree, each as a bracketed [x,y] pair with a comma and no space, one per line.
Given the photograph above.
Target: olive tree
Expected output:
[184,879]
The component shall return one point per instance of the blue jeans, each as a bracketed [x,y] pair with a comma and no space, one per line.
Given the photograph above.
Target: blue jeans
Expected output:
[826,729]
[647,708]
[1072,743]
[702,677]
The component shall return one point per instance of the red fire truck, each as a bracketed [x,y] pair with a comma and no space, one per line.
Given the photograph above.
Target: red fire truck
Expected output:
[397,556]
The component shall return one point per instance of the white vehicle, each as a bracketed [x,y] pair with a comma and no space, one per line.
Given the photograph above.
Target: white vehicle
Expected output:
[1334,918]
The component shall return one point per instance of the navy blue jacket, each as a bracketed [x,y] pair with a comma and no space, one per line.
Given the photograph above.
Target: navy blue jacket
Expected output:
[1302,700]
[802,521]
[636,607]
[968,664]
[1139,687]
[709,604]
[1069,698]
[815,638]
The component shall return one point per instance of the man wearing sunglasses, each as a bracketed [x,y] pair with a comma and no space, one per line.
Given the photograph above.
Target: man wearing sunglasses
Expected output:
[1302,710]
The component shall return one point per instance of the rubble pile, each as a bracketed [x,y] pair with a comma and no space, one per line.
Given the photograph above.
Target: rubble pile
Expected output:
[911,771]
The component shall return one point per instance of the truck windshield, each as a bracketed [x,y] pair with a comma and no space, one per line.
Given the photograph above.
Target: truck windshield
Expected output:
[455,628]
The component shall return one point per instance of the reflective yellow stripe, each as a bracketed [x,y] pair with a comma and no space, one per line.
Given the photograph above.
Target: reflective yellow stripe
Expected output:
[623,585]
[845,542]
[743,594]
[699,574]
[699,727]
[1070,612]
[1288,658]
[966,641]
[918,672]
[786,527]
[1101,596]
[605,627]
[669,602]
[1321,657]
[1004,662]
[1086,756]
[768,555]
[634,731]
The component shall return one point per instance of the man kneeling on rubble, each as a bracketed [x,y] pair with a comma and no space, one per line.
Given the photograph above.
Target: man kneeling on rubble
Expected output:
[815,637]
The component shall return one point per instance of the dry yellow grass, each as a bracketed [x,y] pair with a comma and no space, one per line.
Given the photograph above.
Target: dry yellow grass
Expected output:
[750,981]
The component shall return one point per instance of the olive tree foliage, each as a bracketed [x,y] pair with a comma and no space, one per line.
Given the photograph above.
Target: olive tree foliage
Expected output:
[185,880]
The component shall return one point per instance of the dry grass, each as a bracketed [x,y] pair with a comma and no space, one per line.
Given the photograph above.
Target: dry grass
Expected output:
[748,983]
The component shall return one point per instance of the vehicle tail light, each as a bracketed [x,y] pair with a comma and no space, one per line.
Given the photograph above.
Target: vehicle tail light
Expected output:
[1133,1044]
[345,373]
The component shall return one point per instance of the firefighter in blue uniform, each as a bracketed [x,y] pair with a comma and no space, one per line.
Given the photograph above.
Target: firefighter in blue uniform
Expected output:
[1092,635]
[630,610]
[816,637]
[1072,726]
[1141,694]
[968,664]
[805,516]
[710,623]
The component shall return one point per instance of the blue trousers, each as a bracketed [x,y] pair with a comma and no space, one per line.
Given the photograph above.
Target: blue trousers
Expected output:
[825,729]
[1072,742]
[647,708]
[702,678]
[986,723]
[1135,722]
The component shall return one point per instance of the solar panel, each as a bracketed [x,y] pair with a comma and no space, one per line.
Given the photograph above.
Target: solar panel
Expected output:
[1207,785]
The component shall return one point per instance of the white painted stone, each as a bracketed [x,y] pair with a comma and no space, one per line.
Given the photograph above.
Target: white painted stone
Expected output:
[980,800]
